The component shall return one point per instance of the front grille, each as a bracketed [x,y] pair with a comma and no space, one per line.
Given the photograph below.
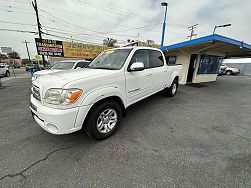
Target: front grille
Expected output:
[36,92]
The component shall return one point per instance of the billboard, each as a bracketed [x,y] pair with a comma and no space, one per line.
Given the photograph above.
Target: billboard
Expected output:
[56,48]
[87,51]
[6,50]
[49,47]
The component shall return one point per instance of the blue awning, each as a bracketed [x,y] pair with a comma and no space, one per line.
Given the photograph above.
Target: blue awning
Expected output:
[207,39]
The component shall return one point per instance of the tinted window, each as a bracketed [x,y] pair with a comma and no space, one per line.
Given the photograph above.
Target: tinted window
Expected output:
[141,56]
[156,59]
[82,64]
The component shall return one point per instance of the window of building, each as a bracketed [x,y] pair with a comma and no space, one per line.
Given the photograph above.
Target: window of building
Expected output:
[171,60]
[209,64]
[156,59]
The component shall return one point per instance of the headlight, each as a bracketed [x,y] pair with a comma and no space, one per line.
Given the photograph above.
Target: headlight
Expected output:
[62,96]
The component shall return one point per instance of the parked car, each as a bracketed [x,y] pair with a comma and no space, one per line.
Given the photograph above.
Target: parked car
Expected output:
[34,67]
[62,66]
[96,97]
[222,70]
[230,70]
[4,70]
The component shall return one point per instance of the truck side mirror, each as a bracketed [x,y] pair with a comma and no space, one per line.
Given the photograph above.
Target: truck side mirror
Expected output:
[137,66]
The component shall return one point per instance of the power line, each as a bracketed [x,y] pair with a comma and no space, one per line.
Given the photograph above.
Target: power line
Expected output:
[20,31]
[70,38]
[70,23]
[142,27]
[103,8]
[15,23]
[12,11]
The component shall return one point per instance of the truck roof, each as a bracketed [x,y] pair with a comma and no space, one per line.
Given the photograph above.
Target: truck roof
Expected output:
[136,47]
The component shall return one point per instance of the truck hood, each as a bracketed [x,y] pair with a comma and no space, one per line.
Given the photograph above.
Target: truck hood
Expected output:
[44,72]
[59,79]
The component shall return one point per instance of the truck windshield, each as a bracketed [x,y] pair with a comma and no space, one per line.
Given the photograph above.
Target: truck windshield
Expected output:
[110,59]
[67,65]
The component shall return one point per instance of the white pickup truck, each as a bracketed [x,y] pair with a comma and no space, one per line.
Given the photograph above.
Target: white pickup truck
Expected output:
[96,97]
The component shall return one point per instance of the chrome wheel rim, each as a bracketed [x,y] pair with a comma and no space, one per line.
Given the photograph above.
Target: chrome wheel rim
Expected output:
[174,88]
[107,120]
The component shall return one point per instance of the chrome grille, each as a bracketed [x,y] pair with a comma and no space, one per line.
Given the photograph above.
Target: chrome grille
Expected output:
[36,92]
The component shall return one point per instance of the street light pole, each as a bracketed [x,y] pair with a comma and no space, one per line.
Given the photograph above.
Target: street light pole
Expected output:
[217,26]
[164,4]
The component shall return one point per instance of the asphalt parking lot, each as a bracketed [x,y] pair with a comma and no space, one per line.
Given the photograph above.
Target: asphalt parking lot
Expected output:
[200,138]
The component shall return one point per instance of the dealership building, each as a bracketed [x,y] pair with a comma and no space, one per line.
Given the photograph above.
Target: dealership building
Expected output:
[202,57]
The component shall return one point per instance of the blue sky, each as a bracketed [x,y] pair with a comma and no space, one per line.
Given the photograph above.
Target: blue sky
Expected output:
[98,19]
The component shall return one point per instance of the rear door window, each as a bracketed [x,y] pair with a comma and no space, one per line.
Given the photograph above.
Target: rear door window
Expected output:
[156,59]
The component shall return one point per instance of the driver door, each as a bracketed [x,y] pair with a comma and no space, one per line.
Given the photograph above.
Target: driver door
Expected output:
[139,83]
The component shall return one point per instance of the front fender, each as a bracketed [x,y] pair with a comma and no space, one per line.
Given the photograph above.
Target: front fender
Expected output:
[102,93]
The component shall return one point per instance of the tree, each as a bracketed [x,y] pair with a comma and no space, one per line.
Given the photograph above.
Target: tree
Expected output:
[25,61]
[110,42]
[14,55]
[3,57]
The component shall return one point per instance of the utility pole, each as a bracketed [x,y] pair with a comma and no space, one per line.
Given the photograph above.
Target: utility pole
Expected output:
[192,28]
[26,44]
[34,4]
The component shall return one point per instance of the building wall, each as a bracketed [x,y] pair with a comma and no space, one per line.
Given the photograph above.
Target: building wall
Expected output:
[184,59]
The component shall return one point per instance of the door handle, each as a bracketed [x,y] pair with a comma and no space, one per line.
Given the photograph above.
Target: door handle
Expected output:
[149,74]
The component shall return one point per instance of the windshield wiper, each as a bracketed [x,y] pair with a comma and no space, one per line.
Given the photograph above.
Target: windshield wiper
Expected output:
[107,68]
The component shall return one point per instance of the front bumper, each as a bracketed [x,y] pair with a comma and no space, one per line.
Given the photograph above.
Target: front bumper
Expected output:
[58,121]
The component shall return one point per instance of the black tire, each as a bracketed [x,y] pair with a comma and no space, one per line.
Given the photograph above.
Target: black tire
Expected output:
[229,72]
[169,92]
[7,74]
[90,125]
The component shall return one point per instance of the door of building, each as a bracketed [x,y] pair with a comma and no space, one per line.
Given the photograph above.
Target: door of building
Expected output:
[191,67]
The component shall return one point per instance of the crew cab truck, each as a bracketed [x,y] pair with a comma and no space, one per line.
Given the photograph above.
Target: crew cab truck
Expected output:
[96,97]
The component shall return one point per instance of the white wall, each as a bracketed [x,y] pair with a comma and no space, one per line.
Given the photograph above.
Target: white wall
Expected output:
[183,59]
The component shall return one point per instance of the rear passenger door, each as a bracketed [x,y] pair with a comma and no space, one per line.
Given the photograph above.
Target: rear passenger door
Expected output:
[159,70]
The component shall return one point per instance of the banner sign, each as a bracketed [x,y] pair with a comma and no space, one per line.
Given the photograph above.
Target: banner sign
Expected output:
[68,49]
[49,47]
[87,51]
[6,50]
